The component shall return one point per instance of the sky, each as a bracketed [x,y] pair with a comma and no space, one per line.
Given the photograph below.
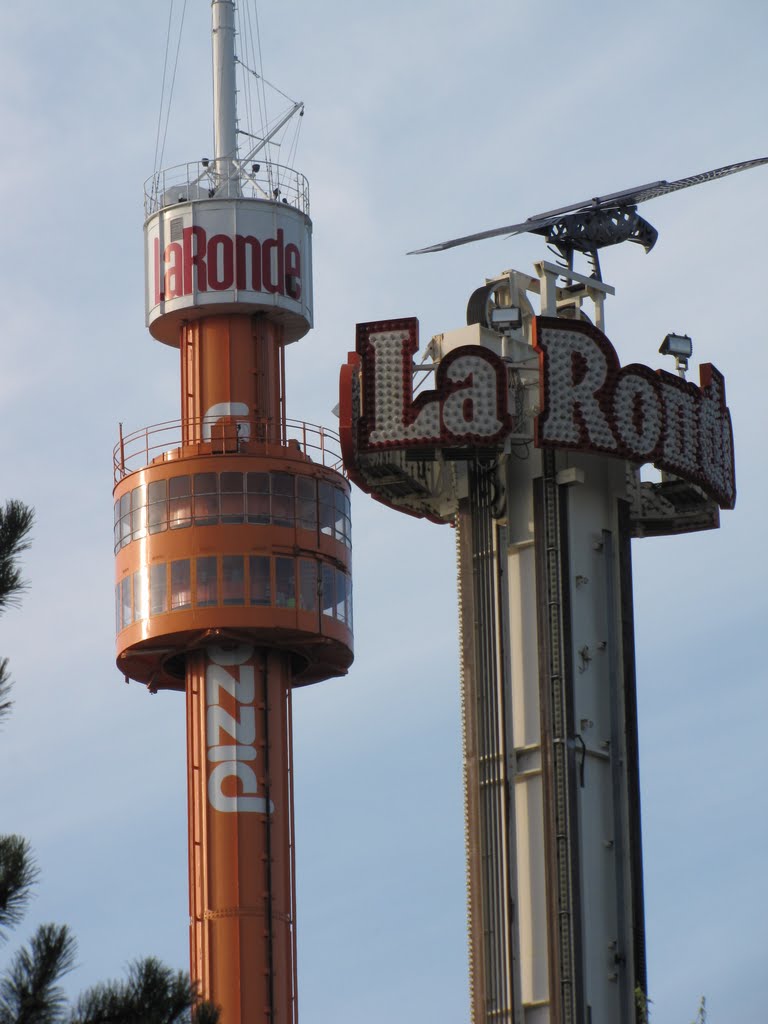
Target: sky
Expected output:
[424,120]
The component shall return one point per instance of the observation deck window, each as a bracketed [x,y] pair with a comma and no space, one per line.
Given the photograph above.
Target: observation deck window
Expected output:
[179,502]
[307,585]
[306,503]
[270,582]
[232,503]
[341,596]
[125,520]
[282,486]
[140,595]
[157,507]
[181,584]
[285,583]
[126,617]
[207,589]
[328,590]
[342,515]
[158,589]
[206,507]
[207,499]
[261,591]
[138,512]
[258,498]
[233,579]
[326,507]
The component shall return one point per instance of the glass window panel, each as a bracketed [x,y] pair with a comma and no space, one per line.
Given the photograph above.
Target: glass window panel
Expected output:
[328,589]
[260,587]
[180,502]
[118,625]
[207,584]
[233,579]
[158,589]
[232,504]
[117,525]
[327,513]
[285,583]
[339,530]
[307,585]
[306,511]
[258,497]
[348,514]
[341,596]
[140,594]
[206,507]
[138,512]
[282,499]
[181,585]
[125,602]
[125,519]
[157,495]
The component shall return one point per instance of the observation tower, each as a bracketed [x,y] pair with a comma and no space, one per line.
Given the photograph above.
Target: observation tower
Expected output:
[232,541]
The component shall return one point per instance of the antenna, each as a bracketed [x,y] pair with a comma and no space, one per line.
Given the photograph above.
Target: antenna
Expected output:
[224,93]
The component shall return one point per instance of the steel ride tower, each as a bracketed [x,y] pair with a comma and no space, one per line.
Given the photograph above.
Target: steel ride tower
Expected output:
[528,439]
[232,543]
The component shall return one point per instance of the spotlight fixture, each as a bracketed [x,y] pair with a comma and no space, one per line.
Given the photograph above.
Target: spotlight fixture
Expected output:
[506,318]
[681,347]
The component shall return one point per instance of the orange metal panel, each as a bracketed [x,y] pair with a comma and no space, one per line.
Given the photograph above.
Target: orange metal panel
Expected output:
[231,361]
[242,938]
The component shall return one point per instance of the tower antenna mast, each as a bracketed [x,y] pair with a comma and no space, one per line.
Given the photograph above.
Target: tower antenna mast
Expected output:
[224,94]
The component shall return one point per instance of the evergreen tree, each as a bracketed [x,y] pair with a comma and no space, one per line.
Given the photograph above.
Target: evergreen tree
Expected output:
[30,992]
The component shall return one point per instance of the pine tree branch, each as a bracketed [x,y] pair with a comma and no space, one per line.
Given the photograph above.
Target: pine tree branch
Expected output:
[18,873]
[16,521]
[5,689]
[153,994]
[29,990]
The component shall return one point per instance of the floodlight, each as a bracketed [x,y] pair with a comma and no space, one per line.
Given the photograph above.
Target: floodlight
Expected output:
[681,347]
[678,345]
[506,318]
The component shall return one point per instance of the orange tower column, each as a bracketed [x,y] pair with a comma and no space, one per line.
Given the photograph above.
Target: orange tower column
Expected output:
[232,543]
[240,821]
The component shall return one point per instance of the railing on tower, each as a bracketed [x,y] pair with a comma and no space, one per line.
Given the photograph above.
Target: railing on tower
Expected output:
[163,442]
[200,180]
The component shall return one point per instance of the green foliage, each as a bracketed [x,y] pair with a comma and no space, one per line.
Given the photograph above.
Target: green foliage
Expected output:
[642,1002]
[18,873]
[29,990]
[701,1016]
[641,1005]
[16,521]
[153,994]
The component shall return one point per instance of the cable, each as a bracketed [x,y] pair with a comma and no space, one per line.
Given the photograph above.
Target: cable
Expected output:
[162,87]
[173,81]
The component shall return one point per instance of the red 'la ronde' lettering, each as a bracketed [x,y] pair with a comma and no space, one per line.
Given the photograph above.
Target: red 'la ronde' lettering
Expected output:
[222,262]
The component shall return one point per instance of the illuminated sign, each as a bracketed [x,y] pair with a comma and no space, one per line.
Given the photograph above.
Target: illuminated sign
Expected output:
[588,403]
[467,406]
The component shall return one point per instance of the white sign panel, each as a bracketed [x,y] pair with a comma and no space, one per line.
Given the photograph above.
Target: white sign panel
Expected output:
[228,255]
